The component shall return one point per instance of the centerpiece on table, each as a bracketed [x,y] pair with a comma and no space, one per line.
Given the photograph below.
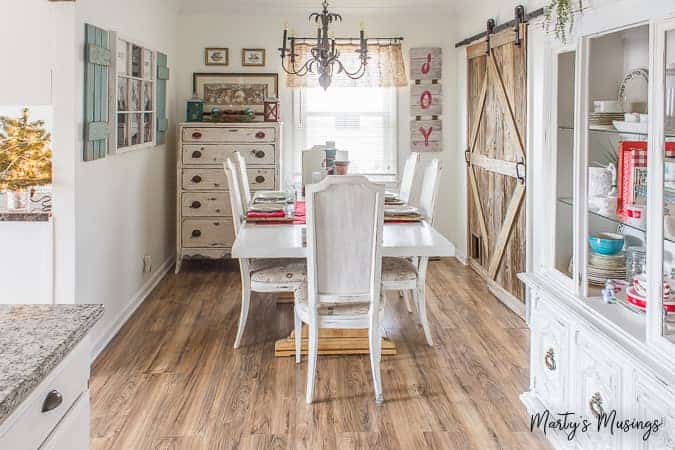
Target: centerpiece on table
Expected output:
[25,158]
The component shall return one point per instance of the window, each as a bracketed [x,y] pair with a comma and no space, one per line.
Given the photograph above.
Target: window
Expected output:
[135,87]
[361,120]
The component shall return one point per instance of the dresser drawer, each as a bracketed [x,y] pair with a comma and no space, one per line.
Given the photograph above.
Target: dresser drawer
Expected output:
[229,134]
[207,232]
[72,433]
[261,179]
[30,425]
[204,179]
[218,153]
[195,204]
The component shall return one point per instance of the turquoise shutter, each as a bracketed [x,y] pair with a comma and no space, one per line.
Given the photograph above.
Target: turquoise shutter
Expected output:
[162,76]
[96,120]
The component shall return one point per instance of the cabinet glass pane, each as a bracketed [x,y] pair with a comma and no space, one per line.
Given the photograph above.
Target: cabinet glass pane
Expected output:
[136,61]
[136,95]
[669,189]
[122,128]
[564,220]
[135,128]
[147,96]
[616,175]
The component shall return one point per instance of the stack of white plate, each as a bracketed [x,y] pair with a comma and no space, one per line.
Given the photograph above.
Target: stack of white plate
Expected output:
[603,119]
[606,267]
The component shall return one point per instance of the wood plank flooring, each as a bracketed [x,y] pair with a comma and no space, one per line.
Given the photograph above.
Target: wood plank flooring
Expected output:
[172,380]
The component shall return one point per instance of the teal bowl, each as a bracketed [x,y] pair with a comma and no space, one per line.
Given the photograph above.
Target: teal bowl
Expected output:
[606,243]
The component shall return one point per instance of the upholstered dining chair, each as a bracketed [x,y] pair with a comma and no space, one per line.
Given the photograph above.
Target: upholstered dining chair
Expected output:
[244,186]
[410,275]
[259,275]
[408,177]
[344,242]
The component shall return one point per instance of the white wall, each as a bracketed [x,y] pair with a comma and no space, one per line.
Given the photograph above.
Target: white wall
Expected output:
[125,203]
[198,31]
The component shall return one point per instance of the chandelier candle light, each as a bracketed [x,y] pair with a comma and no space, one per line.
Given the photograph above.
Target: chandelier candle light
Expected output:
[325,56]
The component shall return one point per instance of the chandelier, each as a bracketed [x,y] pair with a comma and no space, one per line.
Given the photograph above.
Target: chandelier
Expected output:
[325,57]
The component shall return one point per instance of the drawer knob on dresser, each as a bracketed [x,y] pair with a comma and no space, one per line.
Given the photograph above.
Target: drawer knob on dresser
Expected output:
[196,135]
[549,360]
[196,154]
[196,233]
[260,135]
[196,204]
[52,401]
[259,153]
[595,405]
[196,179]
[259,179]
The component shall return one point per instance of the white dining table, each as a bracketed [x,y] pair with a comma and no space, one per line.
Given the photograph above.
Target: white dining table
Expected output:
[256,240]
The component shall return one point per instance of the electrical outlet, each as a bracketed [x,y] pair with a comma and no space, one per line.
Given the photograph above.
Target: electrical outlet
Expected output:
[147,264]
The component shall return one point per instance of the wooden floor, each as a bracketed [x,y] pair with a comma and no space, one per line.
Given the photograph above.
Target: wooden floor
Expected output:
[171,379]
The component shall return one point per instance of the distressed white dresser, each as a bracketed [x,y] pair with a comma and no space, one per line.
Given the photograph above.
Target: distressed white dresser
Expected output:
[204,218]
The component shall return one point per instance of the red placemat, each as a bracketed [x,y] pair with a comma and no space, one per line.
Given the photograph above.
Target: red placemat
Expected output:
[300,218]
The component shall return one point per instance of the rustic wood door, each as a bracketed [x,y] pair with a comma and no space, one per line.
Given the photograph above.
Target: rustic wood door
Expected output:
[497,111]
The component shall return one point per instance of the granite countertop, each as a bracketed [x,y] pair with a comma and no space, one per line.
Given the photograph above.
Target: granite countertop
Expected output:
[33,340]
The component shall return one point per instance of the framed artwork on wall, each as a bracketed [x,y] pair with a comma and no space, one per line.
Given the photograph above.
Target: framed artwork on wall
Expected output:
[235,91]
[216,56]
[253,57]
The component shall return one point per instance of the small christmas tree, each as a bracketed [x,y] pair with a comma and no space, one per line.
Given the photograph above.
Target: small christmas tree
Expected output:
[25,153]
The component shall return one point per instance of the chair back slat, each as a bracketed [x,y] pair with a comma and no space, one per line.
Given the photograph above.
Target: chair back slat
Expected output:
[244,186]
[344,239]
[425,201]
[408,177]
[235,194]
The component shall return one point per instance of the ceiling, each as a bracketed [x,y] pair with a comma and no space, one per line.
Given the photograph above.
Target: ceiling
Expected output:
[268,7]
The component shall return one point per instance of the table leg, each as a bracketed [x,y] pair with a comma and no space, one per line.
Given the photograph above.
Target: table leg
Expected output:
[333,341]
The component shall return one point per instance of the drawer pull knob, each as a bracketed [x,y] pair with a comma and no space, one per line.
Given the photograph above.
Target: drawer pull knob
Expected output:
[196,233]
[259,179]
[549,360]
[260,135]
[595,405]
[196,204]
[197,179]
[233,130]
[259,153]
[196,154]
[52,401]
[196,135]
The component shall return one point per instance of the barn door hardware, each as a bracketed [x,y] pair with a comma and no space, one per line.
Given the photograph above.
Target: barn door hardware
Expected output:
[521,171]
[519,13]
[510,24]
[467,156]
[490,30]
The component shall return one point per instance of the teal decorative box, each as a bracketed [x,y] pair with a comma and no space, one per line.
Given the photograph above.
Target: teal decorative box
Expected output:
[195,109]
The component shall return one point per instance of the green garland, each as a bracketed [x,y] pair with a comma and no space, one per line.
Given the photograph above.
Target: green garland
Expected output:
[559,18]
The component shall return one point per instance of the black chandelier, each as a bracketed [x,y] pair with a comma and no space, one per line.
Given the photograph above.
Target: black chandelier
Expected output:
[325,57]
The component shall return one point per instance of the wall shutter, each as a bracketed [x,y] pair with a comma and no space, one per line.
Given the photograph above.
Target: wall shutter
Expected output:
[162,77]
[96,121]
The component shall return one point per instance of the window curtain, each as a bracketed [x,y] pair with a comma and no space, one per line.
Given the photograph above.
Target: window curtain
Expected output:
[385,67]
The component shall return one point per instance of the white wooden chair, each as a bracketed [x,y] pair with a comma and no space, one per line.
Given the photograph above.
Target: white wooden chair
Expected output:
[408,177]
[259,275]
[244,186]
[343,288]
[410,275]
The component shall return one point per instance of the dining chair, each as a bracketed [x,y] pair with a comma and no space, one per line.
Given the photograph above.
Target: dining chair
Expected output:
[244,186]
[344,242]
[410,275]
[263,274]
[408,177]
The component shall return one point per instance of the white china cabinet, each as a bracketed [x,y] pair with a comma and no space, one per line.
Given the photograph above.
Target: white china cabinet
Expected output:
[602,210]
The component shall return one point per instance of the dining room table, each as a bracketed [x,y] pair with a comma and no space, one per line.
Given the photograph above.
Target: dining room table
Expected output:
[288,240]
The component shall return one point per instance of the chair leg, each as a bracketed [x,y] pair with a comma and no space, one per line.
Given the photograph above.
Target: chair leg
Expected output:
[375,345]
[311,357]
[416,302]
[243,315]
[406,299]
[422,310]
[298,338]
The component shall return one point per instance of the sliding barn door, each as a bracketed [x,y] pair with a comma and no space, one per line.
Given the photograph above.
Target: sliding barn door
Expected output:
[497,93]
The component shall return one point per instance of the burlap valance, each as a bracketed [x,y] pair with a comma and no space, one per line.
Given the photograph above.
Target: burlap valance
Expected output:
[385,67]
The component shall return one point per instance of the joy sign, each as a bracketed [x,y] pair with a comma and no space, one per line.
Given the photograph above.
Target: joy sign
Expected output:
[426,100]
[425,135]
[425,63]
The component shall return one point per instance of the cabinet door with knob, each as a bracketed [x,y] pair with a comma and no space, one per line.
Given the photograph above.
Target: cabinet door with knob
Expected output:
[199,204]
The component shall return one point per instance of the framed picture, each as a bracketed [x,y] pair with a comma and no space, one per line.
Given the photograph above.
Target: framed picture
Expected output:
[253,57]
[216,56]
[235,91]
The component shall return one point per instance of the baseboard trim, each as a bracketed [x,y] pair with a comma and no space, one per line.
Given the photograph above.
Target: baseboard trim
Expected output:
[136,301]
[461,256]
